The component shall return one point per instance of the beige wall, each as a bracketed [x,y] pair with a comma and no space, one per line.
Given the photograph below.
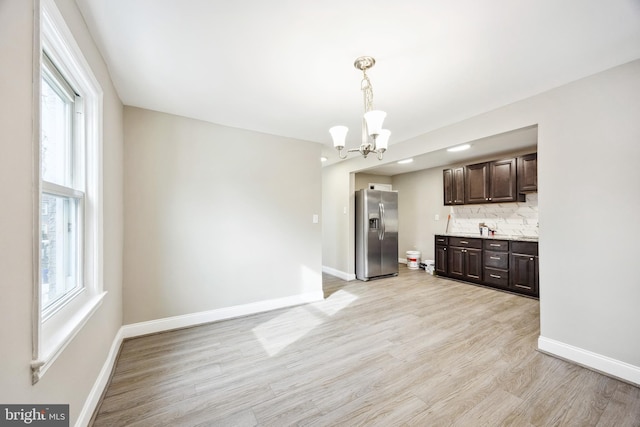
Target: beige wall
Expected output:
[216,216]
[419,200]
[588,152]
[589,200]
[337,207]
[72,375]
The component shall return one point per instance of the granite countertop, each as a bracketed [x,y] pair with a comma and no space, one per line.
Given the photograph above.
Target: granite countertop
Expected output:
[493,237]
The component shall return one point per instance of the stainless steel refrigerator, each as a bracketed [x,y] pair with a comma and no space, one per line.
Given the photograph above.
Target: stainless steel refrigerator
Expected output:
[376,234]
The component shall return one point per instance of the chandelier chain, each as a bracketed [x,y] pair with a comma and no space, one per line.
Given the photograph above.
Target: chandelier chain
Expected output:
[367,91]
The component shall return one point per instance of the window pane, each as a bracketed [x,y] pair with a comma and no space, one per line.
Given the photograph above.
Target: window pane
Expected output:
[56,134]
[59,247]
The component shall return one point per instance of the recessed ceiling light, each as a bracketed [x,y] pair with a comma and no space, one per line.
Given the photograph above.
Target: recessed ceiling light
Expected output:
[459,147]
[404,162]
[323,159]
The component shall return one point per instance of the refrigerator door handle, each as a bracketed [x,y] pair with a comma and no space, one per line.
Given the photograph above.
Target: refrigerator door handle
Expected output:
[382,223]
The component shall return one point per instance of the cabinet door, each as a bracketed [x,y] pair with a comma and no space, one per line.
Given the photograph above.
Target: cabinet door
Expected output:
[528,173]
[473,264]
[455,262]
[441,260]
[523,275]
[476,183]
[447,182]
[458,186]
[453,182]
[503,181]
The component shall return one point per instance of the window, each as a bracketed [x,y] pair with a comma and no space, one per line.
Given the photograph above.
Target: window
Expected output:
[62,187]
[68,287]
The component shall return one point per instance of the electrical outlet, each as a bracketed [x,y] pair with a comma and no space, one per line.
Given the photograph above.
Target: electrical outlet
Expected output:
[436,218]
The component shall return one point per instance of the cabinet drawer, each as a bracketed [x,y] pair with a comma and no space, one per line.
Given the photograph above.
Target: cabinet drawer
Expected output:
[496,259]
[496,277]
[442,240]
[496,245]
[465,242]
[525,289]
[526,248]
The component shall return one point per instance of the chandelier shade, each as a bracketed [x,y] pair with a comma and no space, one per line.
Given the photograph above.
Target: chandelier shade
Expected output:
[374,121]
[382,140]
[339,135]
[375,139]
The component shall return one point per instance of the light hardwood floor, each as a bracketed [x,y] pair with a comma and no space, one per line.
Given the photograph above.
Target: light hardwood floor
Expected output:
[411,350]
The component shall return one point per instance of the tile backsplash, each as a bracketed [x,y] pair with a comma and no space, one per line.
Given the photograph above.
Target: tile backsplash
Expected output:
[514,219]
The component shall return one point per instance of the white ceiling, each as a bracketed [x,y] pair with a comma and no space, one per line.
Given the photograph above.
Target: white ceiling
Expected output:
[285,67]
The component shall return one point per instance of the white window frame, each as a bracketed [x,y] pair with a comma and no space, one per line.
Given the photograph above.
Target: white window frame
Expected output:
[55,330]
[74,189]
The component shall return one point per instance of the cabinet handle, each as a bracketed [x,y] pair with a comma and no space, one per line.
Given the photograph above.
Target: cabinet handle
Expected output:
[494,257]
[489,198]
[523,287]
[495,245]
[495,276]
[530,259]
[464,242]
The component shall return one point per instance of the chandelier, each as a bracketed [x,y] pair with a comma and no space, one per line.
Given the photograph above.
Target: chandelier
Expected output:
[374,138]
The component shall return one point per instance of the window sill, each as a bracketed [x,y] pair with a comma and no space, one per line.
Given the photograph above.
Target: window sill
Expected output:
[56,343]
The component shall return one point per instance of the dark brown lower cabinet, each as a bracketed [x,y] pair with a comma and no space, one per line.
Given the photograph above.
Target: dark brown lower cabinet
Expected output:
[473,261]
[465,263]
[503,264]
[464,259]
[441,260]
[524,274]
[496,263]
[455,262]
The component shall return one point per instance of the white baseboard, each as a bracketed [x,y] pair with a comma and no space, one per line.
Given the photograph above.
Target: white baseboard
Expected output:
[339,274]
[92,401]
[588,359]
[184,321]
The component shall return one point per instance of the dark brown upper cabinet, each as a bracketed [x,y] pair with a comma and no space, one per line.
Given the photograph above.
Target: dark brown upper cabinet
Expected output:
[528,173]
[453,180]
[503,180]
[476,185]
[492,182]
